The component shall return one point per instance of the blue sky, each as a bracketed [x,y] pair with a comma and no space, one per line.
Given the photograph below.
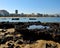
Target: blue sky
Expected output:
[31,6]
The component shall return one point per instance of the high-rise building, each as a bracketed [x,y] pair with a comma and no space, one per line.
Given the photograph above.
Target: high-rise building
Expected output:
[16,11]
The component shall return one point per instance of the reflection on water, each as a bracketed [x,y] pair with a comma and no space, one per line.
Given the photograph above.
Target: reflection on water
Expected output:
[38,27]
[26,19]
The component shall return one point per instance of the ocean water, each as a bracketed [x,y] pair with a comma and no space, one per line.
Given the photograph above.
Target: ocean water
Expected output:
[26,19]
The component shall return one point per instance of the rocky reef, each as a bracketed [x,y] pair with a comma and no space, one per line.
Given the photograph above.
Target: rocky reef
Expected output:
[18,33]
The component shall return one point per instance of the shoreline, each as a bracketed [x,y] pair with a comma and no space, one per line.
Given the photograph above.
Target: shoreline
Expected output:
[18,17]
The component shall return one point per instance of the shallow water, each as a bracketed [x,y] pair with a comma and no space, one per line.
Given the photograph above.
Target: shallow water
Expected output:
[26,19]
[38,27]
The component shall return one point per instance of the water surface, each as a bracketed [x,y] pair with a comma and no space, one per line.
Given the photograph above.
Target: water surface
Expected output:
[38,27]
[26,19]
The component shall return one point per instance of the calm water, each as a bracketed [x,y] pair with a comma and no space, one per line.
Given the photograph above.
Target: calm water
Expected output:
[38,27]
[26,19]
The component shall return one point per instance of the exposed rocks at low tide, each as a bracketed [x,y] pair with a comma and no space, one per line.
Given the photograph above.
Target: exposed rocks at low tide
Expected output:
[19,34]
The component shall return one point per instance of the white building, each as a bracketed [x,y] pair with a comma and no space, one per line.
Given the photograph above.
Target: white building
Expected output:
[4,13]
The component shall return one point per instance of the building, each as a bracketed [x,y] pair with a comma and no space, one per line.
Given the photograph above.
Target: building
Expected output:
[4,13]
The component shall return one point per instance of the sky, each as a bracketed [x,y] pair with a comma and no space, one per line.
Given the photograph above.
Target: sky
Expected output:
[31,6]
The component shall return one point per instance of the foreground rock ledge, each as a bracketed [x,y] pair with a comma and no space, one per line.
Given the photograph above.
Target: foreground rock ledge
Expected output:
[16,35]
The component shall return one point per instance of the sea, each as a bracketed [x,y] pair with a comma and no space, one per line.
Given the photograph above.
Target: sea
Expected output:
[34,19]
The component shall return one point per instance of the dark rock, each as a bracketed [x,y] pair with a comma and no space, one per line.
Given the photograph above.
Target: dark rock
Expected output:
[10,45]
[18,47]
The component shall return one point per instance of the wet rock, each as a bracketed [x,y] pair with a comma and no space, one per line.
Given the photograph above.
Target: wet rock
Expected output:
[18,47]
[2,41]
[10,45]
[51,46]
[53,33]
[20,41]
[8,38]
